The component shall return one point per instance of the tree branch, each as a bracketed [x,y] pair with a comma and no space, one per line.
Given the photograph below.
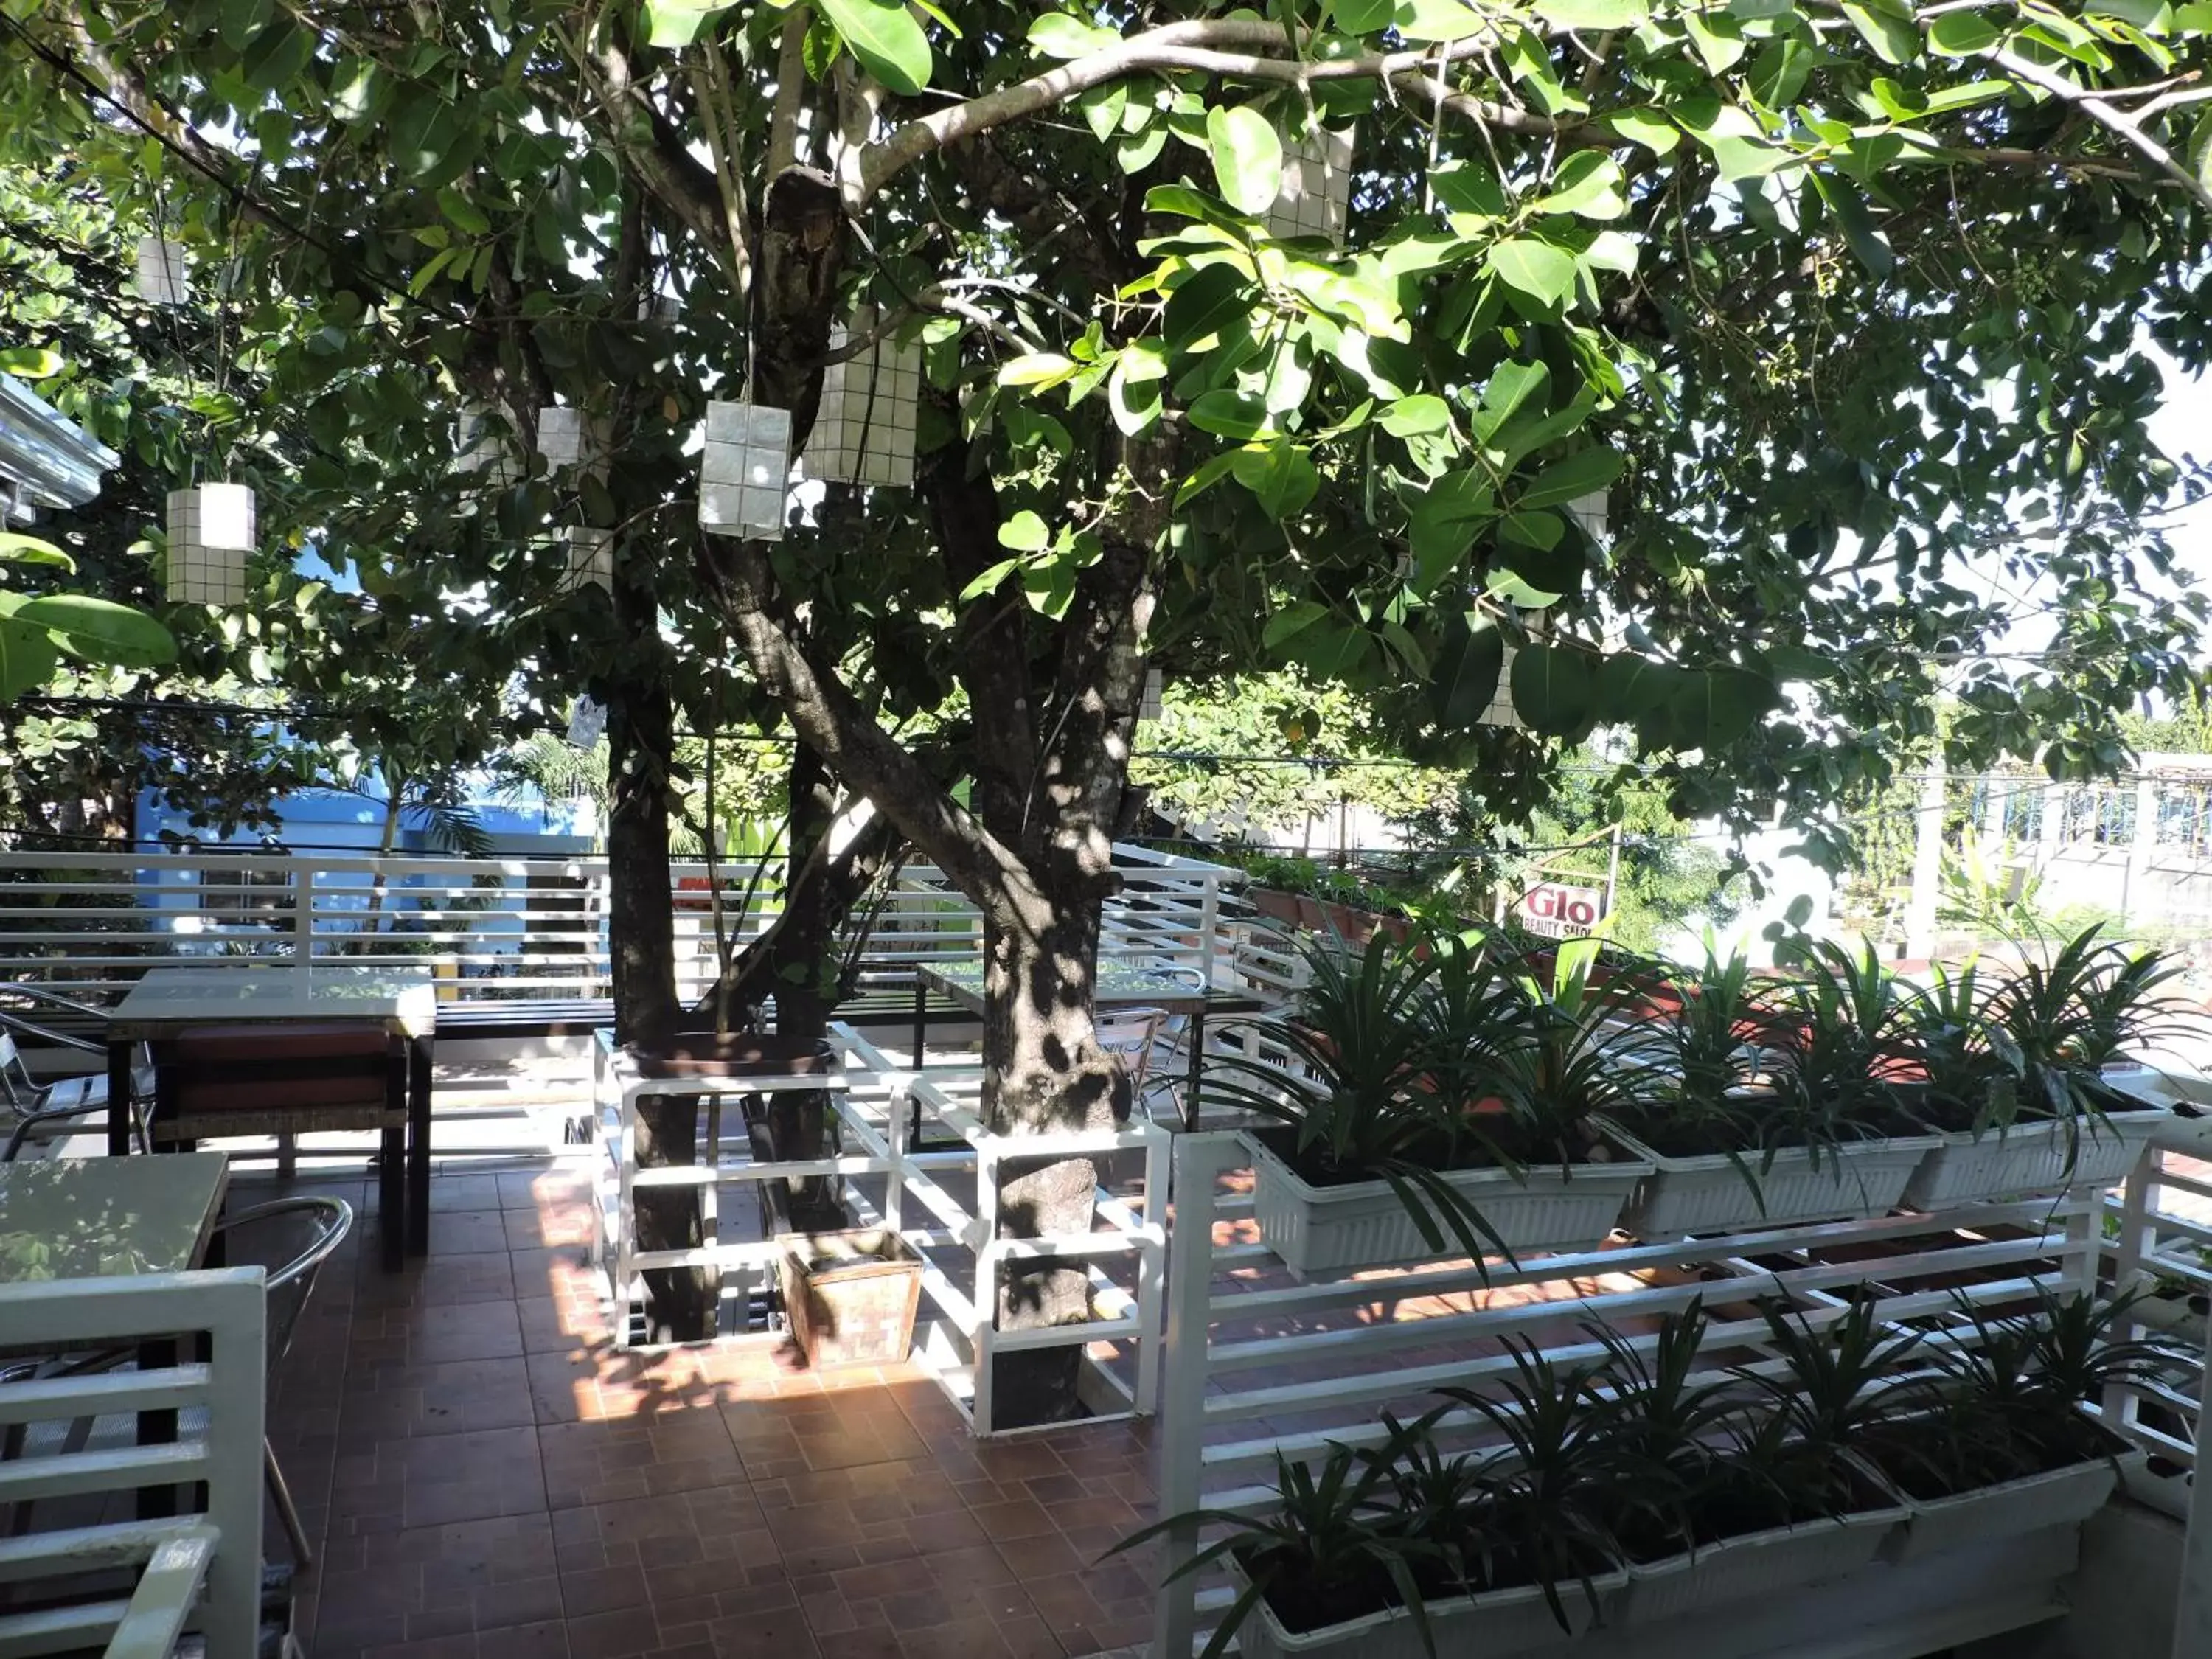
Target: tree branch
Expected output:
[1226,48]
[668,169]
[790,90]
[2107,115]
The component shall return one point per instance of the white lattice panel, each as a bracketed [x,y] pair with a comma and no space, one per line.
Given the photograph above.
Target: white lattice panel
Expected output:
[863,432]
[744,471]
[1316,188]
[212,531]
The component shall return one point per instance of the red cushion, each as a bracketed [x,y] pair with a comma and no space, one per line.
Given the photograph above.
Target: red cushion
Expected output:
[333,1041]
[279,1094]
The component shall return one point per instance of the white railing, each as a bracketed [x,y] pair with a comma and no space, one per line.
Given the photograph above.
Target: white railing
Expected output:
[499,928]
[198,1570]
[1258,1363]
[874,1102]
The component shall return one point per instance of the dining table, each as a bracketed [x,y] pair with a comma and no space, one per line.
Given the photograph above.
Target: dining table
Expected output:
[99,1218]
[400,1000]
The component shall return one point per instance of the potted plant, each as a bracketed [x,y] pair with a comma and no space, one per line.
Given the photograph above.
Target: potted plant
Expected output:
[2055,1039]
[2004,1446]
[1781,1104]
[1431,1102]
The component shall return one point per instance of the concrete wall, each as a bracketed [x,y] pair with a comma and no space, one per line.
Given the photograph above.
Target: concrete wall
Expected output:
[2122,1595]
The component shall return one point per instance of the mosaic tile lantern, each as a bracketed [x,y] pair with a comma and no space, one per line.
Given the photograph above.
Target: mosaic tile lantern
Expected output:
[1589,512]
[1155,702]
[1316,188]
[591,560]
[586,721]
[745,470]
[572,437]
[160,265]
[864,431]
[212,531]
[485,445]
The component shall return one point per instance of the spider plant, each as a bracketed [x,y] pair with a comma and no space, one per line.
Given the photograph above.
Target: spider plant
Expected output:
[1568,1063]
[2057,1023]
[1364,1095]
[1668,1414]
[1843,1042]
[1837,1387]
[1334,1547]
[1967,1080]
[1559,1477]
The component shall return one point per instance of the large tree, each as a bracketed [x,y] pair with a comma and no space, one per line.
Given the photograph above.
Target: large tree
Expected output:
[1844,304]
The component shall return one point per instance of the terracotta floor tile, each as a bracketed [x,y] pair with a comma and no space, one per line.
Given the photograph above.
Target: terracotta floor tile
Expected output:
[1020,1518]
[616,1634]
[783,1634]
[546,1640]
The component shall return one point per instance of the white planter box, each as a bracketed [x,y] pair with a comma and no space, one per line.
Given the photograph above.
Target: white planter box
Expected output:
[2030,1158]
[1362,1223]
[1498,1622]
[1759,1563]
[2063,1497]
[1708,1194]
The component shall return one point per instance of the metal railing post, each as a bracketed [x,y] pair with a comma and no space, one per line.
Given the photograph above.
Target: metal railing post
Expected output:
[303,910]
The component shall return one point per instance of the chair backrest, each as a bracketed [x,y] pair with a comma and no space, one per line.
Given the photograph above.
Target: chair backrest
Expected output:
[17,1087]
[289,1239]
[72,1565]
[1127,1034]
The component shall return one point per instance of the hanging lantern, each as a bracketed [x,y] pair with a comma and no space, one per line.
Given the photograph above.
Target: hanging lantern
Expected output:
[210,533]
[1316,188]
[863,432]
[744,471]
[1501,711]
[161,279]
[1155,703]
[586,720]
[572,437]
[591,560]
[1589,512]
[484,443]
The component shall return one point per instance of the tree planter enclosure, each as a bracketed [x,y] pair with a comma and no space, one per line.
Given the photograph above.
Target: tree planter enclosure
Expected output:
[1364,1223]
[1709,1192]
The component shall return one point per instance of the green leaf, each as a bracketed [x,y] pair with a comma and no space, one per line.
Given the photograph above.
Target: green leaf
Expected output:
[1467,666]
[1963,33]
[1280,476]
[1229,414]
[18,549]
[1206,302]
[1248,157]
[1056,34]
[1593,14]
[1362,16]
[1866,243]
[1572,477]
[1025,532]
[1041,368]
[1438,20]
[1553,688]
[885,36]
[1590,184]
[101,631]
[1719,40]
[32,362]
[1647,127]
[1468,187]
[1291,619]
[1408,416]
[1894,39]
[28,658]
[989,580]
[1536,270]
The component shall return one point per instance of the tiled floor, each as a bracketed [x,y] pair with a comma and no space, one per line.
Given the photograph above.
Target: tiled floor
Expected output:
[490,1480]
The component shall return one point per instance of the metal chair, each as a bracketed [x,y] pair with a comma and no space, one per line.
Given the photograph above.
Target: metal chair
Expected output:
[33,1109]
[295,1236]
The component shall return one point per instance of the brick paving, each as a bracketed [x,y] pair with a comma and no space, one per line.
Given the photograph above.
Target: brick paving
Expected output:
[487,1478]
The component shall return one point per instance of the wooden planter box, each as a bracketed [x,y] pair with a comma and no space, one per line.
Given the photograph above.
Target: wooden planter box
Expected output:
[1707,1193]
[851,1296]
[1362,1223]
[1498,1622]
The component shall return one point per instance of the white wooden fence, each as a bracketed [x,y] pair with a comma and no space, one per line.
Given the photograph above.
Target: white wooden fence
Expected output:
[1257,1365]
[202,1571]
[498,927]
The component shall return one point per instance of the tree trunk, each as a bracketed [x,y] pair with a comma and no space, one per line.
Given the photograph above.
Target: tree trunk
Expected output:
[805,994]
[1044,1073]
[642,932]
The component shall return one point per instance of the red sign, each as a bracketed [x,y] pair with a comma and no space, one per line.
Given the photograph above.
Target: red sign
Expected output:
[1557,911]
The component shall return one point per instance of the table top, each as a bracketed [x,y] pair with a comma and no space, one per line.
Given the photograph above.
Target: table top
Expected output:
[1121,984]
[81,1218]
[403,999]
